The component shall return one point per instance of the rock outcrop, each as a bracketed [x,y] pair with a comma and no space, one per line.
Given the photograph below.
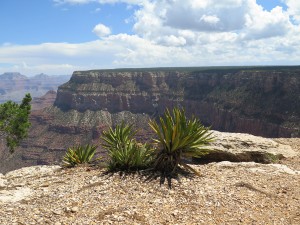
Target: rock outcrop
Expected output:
[260,101]
[225,193]
[239,147]
[44,101]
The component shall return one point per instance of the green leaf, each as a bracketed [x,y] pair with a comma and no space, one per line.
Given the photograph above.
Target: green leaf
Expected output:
[123,151]
[178,136]
[79,155]
[14,121]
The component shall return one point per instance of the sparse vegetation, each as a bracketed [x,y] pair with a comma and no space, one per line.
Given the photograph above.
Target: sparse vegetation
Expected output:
[79,155]
[178,138]
[14,121]
[125,154]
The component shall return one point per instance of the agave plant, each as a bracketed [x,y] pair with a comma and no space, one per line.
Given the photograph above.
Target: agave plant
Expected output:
[79,155]
[178,138]
[125,154]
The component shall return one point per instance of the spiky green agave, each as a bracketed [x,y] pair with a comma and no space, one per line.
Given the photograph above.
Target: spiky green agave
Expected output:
[125,154]
[79,155]
[178,138]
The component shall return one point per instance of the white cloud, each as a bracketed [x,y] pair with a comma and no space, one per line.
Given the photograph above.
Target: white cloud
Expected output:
[123,50]
[294,9]
[207,15]
[242,17]
[210,19]
[264,24]
[101,30]
[173,33]
[55,57]
[172,40]
[97,10]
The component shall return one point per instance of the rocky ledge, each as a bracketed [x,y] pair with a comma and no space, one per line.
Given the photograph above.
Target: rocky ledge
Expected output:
[225,193]
[238,147]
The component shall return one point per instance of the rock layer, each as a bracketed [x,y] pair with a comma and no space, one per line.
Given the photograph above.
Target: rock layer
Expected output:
[44,101]
[261,101]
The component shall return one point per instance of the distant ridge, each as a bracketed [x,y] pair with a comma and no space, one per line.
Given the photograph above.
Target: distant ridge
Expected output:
[200,69]
[14,85]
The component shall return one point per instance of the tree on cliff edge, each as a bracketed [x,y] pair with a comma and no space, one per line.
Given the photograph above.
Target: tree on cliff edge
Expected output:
[14,121]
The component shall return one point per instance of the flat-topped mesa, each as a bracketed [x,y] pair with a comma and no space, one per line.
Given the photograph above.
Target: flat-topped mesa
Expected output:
[137,92]
[262,101]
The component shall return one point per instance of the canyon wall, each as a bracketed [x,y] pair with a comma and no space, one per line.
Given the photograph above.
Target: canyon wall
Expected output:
[260,101]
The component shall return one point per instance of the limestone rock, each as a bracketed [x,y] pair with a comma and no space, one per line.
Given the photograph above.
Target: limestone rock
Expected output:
[226,193]
[238,147]
[32,171]
[259,168]
[14,187]
[257,101]
[15,195]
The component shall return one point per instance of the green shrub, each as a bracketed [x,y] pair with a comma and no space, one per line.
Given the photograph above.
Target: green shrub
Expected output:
[125,154]
[178,138]
[79,155]
[14,121]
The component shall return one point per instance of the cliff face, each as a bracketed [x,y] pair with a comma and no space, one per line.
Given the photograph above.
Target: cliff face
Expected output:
[44,101]
[261,101]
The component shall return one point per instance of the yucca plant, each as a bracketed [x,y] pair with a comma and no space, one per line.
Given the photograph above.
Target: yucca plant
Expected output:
[125,154]
[79,155]
[178,138]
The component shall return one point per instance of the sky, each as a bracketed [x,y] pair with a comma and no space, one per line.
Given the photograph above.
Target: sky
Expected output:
[61,36]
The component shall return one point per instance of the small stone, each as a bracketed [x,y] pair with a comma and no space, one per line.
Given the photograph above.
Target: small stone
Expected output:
[57,212]
[74,209]
[175,212]
[39,221]
[45,184]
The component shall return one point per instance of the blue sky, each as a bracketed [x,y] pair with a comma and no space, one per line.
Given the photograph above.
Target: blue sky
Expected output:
[38,21]
[60,36]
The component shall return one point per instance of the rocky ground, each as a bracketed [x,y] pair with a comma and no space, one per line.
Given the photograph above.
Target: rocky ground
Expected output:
[226,193]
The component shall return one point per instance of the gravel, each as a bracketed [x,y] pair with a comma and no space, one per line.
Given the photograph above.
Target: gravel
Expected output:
[225,193]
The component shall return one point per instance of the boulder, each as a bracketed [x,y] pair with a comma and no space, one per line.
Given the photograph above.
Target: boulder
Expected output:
[239,147]
[14,190]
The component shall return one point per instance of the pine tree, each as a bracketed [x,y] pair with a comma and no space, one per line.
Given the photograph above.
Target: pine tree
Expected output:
[14,121]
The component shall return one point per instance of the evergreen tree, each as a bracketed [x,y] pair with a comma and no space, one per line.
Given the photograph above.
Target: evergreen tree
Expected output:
[14,121]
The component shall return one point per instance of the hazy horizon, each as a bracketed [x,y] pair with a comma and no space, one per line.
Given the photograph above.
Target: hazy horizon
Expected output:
[58,37]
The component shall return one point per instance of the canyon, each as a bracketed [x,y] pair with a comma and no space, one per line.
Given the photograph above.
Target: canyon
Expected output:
[13,85]
[263,101]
